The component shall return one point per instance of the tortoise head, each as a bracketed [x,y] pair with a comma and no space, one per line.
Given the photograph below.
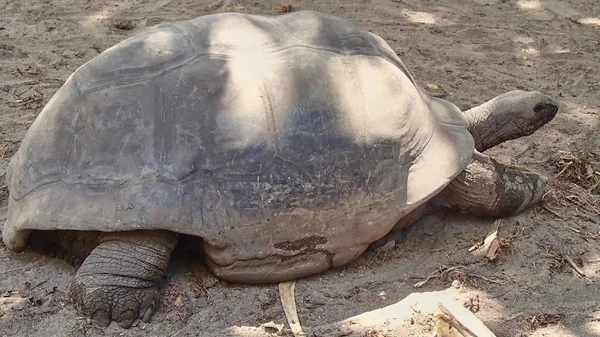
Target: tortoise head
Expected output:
[509,116]
[525,111]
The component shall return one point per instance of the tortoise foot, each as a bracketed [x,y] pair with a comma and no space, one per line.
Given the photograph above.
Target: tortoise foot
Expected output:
[120,278]
[105,303]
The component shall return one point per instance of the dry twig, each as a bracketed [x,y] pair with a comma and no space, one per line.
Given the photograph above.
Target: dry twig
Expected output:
[456,273]
[542,320]
[574,266]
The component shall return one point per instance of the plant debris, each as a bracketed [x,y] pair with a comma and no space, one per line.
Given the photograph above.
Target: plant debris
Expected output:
[557,261]
[272,327]
[489,248]
[542,320]
[457,321]
[457,272]
[285,8]
[288,302]
[563,195]
[472,304]
[178,302]
[574,266]
[579,167]
[577,182]
[171,297]
[123,25]
[492,245]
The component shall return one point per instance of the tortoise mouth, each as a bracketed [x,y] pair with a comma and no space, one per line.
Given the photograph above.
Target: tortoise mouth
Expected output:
[545,112]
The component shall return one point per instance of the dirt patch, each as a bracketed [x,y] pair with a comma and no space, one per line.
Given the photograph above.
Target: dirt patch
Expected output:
[464,51]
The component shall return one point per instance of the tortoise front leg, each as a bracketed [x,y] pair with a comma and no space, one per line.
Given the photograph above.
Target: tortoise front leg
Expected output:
[489,188]
[119,279]
[485,187]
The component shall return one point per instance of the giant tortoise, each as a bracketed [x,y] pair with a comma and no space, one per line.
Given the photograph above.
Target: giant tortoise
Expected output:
[286,145]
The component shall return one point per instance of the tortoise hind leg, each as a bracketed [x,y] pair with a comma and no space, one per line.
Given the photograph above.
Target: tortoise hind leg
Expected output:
[69,245]
[489,188]
[119,279]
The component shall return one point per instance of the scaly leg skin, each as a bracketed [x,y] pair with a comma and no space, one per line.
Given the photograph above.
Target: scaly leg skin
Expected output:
[119,279]
[484,188]
[487,187]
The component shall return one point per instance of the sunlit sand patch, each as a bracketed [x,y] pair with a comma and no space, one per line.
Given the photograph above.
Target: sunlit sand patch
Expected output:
[529,4]
[426,18]
[421,17]
[530,51]
[590,21]
[593,326]
[561,50]
[523,39]
[92,20]
[526,49]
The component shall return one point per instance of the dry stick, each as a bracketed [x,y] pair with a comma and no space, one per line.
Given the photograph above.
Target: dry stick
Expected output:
[288,301]
[438,272]
[39,284]
[486,279]
[373,260]
[552,211]
[464,320]
[574,266]
[595,185]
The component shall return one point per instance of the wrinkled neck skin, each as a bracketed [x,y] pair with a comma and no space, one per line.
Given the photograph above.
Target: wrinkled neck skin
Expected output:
[487,125]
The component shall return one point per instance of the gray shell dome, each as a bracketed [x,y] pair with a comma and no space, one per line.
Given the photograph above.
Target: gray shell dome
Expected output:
[247,131]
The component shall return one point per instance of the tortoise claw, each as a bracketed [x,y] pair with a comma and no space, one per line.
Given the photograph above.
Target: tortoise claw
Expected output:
[147,314]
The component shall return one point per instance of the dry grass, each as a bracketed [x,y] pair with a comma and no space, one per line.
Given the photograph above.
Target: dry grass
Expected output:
[542,320]
[577,182]
[563,195]
[579,167]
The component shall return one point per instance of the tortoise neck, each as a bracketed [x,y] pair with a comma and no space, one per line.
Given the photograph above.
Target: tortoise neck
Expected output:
[485,125]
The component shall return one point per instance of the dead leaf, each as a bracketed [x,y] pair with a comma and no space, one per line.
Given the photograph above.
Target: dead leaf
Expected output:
[489,248]
[178,302]
[272,327]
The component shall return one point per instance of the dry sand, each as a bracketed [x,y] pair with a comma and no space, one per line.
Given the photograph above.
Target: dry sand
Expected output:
[472,51]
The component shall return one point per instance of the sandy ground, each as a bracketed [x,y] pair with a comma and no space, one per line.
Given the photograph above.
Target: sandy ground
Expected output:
[471,51]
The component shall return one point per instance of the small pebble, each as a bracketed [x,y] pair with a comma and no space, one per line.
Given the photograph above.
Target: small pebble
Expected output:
[202,302]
